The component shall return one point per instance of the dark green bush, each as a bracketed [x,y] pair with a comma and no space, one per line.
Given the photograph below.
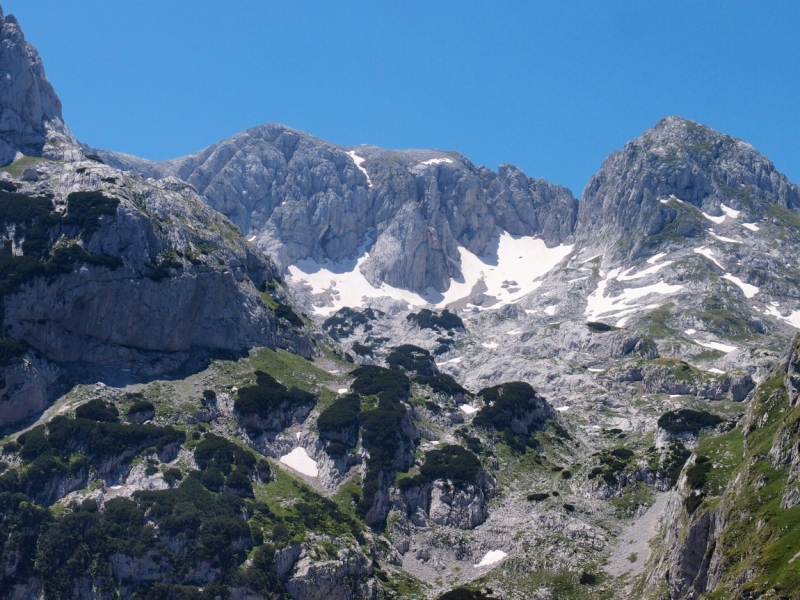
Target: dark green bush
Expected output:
[339,422]
[268,395]
[451,462]
[11,351]
[462,593]
[427,319]
[687,420]
[538,496]
[343,322]
[599,327]
[696,474]
[569,508]
[362,350]
[412,359]
[97,410]
[387,384]
[84,210]
[172,476]
[441,384]
[284,311]
[141,407]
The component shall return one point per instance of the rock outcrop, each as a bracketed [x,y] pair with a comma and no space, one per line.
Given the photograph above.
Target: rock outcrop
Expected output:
[300,197]
[30,111]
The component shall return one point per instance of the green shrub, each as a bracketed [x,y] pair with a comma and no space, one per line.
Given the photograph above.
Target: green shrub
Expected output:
[463,593]
[362,350]
[387,384]
[339,423]
[451,462]
[412,359]
[97,410]
[441,384]
[84,210]
[343,322]
[697,473]
[538,496]
[11,351]
[426,319]
[268,396]
[687,420]
[284,311]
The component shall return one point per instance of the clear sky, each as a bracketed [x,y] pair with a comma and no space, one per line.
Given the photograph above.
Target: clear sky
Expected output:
[550,86]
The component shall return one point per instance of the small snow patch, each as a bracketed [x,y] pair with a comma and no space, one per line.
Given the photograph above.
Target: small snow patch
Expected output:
[341,391]
[716,371]
[708,254]
[730,212]
[495,556]
[531,311]
[751,226]
[514,332]
[690,331]
[490,345]
[452,361]
[716,346]
[722,238]
[654,259]
[550,310]
[749,290]
[792,319]
[596,370]
[359,160]
[436,161]
[717,220]
[467,409]
[299,460]
[562,408]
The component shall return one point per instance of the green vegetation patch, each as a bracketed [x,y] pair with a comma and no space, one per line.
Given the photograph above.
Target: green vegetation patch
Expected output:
[427,319]
[511,409]
[268,395]
[338,424]
[451,463]
[686,420]
[412,359]
[342,324]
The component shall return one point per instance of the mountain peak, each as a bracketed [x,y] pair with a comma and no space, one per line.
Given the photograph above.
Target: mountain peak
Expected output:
[30,119]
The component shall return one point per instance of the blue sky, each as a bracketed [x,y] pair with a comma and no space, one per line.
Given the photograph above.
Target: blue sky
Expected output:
[552,87]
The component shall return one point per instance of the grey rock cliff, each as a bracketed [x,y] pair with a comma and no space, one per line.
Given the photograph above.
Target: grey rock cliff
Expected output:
[300,197]
[681,159]
[30,111]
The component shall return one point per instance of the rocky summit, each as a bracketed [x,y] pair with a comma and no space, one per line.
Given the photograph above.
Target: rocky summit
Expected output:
[283,368]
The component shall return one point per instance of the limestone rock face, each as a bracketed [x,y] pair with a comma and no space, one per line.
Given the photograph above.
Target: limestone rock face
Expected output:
[300,197]
[25,387]
[30,111]
[629,197]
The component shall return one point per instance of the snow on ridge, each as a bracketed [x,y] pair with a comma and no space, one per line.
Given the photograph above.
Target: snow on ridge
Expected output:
[649,271]
[358,160]
[299,460]
[436,161]
[748,289]
[654,259]
[751,226]
[510,268]
[707,252]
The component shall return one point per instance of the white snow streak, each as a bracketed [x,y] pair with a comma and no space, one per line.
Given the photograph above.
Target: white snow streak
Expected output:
[654,259]
[490,345]
[709,255]
[550,310]
[749,290]
[645,273]
[717,220]
[358,160]
[452,361]
[716,371]
[716,346]
[342,391]
[436,161]
[792,319]
[751,226]
[690,331]
[733,214]
[722,238]
[598,304]
[468,409]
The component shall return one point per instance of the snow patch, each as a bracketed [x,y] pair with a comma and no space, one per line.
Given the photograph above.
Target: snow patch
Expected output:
[716,346]
[562,408]
[733,214]
[598,304]
[514,332]
[507,258]
[792,319]
[299,460]
[452,361]
[550,310]
[342,391]
[649,271]
[751,226]
[358,160]
[749,290]
[654,259]
[708,254]
[436,161]
[489,345]
[491,558]
[722,238]
[717,220]
[595,370]
[467,409]
[716,371]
